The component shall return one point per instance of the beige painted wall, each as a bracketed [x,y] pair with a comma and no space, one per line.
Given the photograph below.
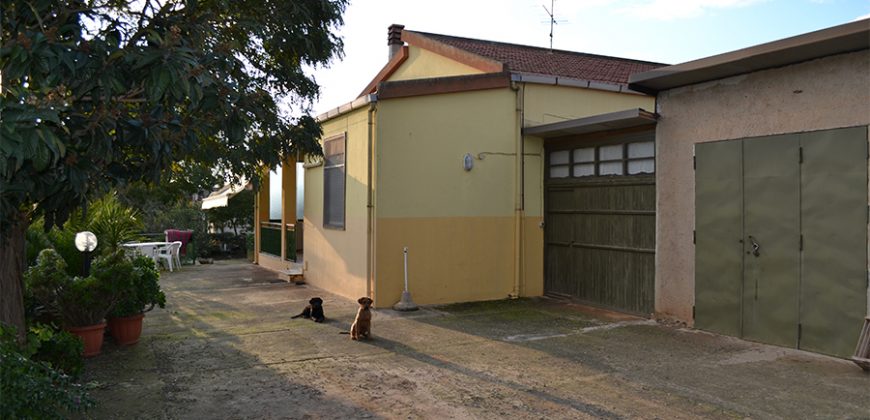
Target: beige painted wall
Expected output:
[546,104]
[335,260]
[422,64]
[827,93]
[458,225]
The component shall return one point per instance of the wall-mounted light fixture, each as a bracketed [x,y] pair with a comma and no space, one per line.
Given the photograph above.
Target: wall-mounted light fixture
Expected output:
[467,162]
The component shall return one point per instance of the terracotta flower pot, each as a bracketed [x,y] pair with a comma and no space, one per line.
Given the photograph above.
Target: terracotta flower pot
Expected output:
[92,336]
[126,330]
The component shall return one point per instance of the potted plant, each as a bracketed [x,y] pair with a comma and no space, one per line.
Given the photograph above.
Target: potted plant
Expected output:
[142,294]
[80,303]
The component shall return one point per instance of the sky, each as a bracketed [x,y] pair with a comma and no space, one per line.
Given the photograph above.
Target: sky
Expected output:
[665,31]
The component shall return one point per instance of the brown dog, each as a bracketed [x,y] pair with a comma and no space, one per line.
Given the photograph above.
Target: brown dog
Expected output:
[362,324]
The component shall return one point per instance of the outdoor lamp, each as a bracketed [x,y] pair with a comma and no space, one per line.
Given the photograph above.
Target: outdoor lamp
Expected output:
[467,162]
[86,242]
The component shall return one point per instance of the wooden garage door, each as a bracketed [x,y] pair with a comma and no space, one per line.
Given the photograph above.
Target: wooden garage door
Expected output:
[600,222]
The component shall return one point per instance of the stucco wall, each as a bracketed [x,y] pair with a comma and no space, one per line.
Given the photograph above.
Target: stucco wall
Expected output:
[335,260]
[422,64]
[826,93]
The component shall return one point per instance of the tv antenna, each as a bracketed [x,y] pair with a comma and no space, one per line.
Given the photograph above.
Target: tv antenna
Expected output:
[552,13]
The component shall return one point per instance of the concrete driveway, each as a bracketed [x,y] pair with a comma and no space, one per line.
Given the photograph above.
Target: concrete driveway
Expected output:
[225,347]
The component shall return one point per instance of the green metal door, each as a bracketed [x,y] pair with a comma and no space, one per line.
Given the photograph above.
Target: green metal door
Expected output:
[834,217]
[718,235]
[781,238]
[771,240]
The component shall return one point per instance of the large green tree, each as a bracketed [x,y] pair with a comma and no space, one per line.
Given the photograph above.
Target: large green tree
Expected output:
[97,93]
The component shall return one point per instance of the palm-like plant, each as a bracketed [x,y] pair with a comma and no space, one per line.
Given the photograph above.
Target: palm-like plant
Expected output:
[113,222]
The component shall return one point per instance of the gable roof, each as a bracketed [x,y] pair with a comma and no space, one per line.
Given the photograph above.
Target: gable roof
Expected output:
[580,69]
[533,60]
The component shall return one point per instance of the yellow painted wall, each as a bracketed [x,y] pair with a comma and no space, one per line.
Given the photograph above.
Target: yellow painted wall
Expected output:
[546,104]
[533,232]
[450,259]
[273,262]
[423,64]
[458,225]
[335,260]
[421,144]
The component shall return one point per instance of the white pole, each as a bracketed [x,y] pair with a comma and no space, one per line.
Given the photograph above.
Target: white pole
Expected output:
[405,304]
[405,252]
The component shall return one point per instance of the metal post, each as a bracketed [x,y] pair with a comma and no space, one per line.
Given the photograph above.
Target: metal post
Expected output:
[405,252]
[406,304]
[86,264]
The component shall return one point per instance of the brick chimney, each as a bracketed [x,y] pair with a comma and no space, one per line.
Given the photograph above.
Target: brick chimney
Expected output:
[394,39]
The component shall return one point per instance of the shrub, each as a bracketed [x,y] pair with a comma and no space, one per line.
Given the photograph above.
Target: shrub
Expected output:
[32,388]
[60,349]
[78,301]
[144,291]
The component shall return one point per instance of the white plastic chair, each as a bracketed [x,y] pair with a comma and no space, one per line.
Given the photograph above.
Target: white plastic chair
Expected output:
[170,253]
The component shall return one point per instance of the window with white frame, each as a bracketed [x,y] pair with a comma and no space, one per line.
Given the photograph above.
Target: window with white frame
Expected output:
[334,174]
[635,158]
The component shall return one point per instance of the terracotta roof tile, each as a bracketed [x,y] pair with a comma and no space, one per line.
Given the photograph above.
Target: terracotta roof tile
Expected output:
[536,60]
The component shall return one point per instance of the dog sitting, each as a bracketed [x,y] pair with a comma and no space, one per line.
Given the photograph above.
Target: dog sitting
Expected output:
[362,324]
[313,311]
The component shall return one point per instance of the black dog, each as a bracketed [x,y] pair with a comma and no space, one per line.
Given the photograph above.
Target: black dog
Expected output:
[313,311]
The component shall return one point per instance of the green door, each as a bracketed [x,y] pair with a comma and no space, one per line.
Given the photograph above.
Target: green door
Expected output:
[781,238]
[834,220]
[771,239]
[719,233]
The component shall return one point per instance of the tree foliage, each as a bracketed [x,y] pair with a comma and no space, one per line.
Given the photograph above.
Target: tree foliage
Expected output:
[98,93]
[236,214]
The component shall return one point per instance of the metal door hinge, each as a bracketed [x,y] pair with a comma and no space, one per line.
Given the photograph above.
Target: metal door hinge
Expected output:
[800,332]
[800,155]
[693,311]
[802,243]
[694,162]
[694,236]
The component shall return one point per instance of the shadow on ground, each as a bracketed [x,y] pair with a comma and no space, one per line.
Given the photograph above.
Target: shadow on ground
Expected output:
[225,347]
[745,378]
[193,360]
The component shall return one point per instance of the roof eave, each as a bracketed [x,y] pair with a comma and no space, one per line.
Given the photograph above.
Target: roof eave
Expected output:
[388,70]
[840,39]
[468,58]
[571,82]
[348,107]
[628,118]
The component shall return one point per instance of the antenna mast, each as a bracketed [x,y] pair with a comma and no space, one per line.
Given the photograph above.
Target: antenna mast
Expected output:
[552,13]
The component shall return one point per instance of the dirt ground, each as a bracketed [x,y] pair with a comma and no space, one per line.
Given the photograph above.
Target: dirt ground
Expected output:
[225,347]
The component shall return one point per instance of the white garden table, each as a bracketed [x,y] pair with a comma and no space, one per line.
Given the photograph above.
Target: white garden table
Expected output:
[148,249]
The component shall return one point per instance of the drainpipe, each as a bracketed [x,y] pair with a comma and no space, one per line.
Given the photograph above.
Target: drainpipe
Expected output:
[519,207]
[370,209]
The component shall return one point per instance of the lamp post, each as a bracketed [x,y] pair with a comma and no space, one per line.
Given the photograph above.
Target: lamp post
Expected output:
[86,242]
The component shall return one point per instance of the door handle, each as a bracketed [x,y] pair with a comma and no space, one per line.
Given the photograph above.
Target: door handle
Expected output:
[755,246]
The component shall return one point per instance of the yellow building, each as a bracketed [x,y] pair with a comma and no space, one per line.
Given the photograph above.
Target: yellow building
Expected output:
[439,154]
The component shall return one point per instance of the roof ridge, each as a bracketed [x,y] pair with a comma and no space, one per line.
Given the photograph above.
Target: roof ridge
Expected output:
[579,53]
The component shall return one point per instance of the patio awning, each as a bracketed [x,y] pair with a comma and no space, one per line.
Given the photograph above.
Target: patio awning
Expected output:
[603,122]
[222,196]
